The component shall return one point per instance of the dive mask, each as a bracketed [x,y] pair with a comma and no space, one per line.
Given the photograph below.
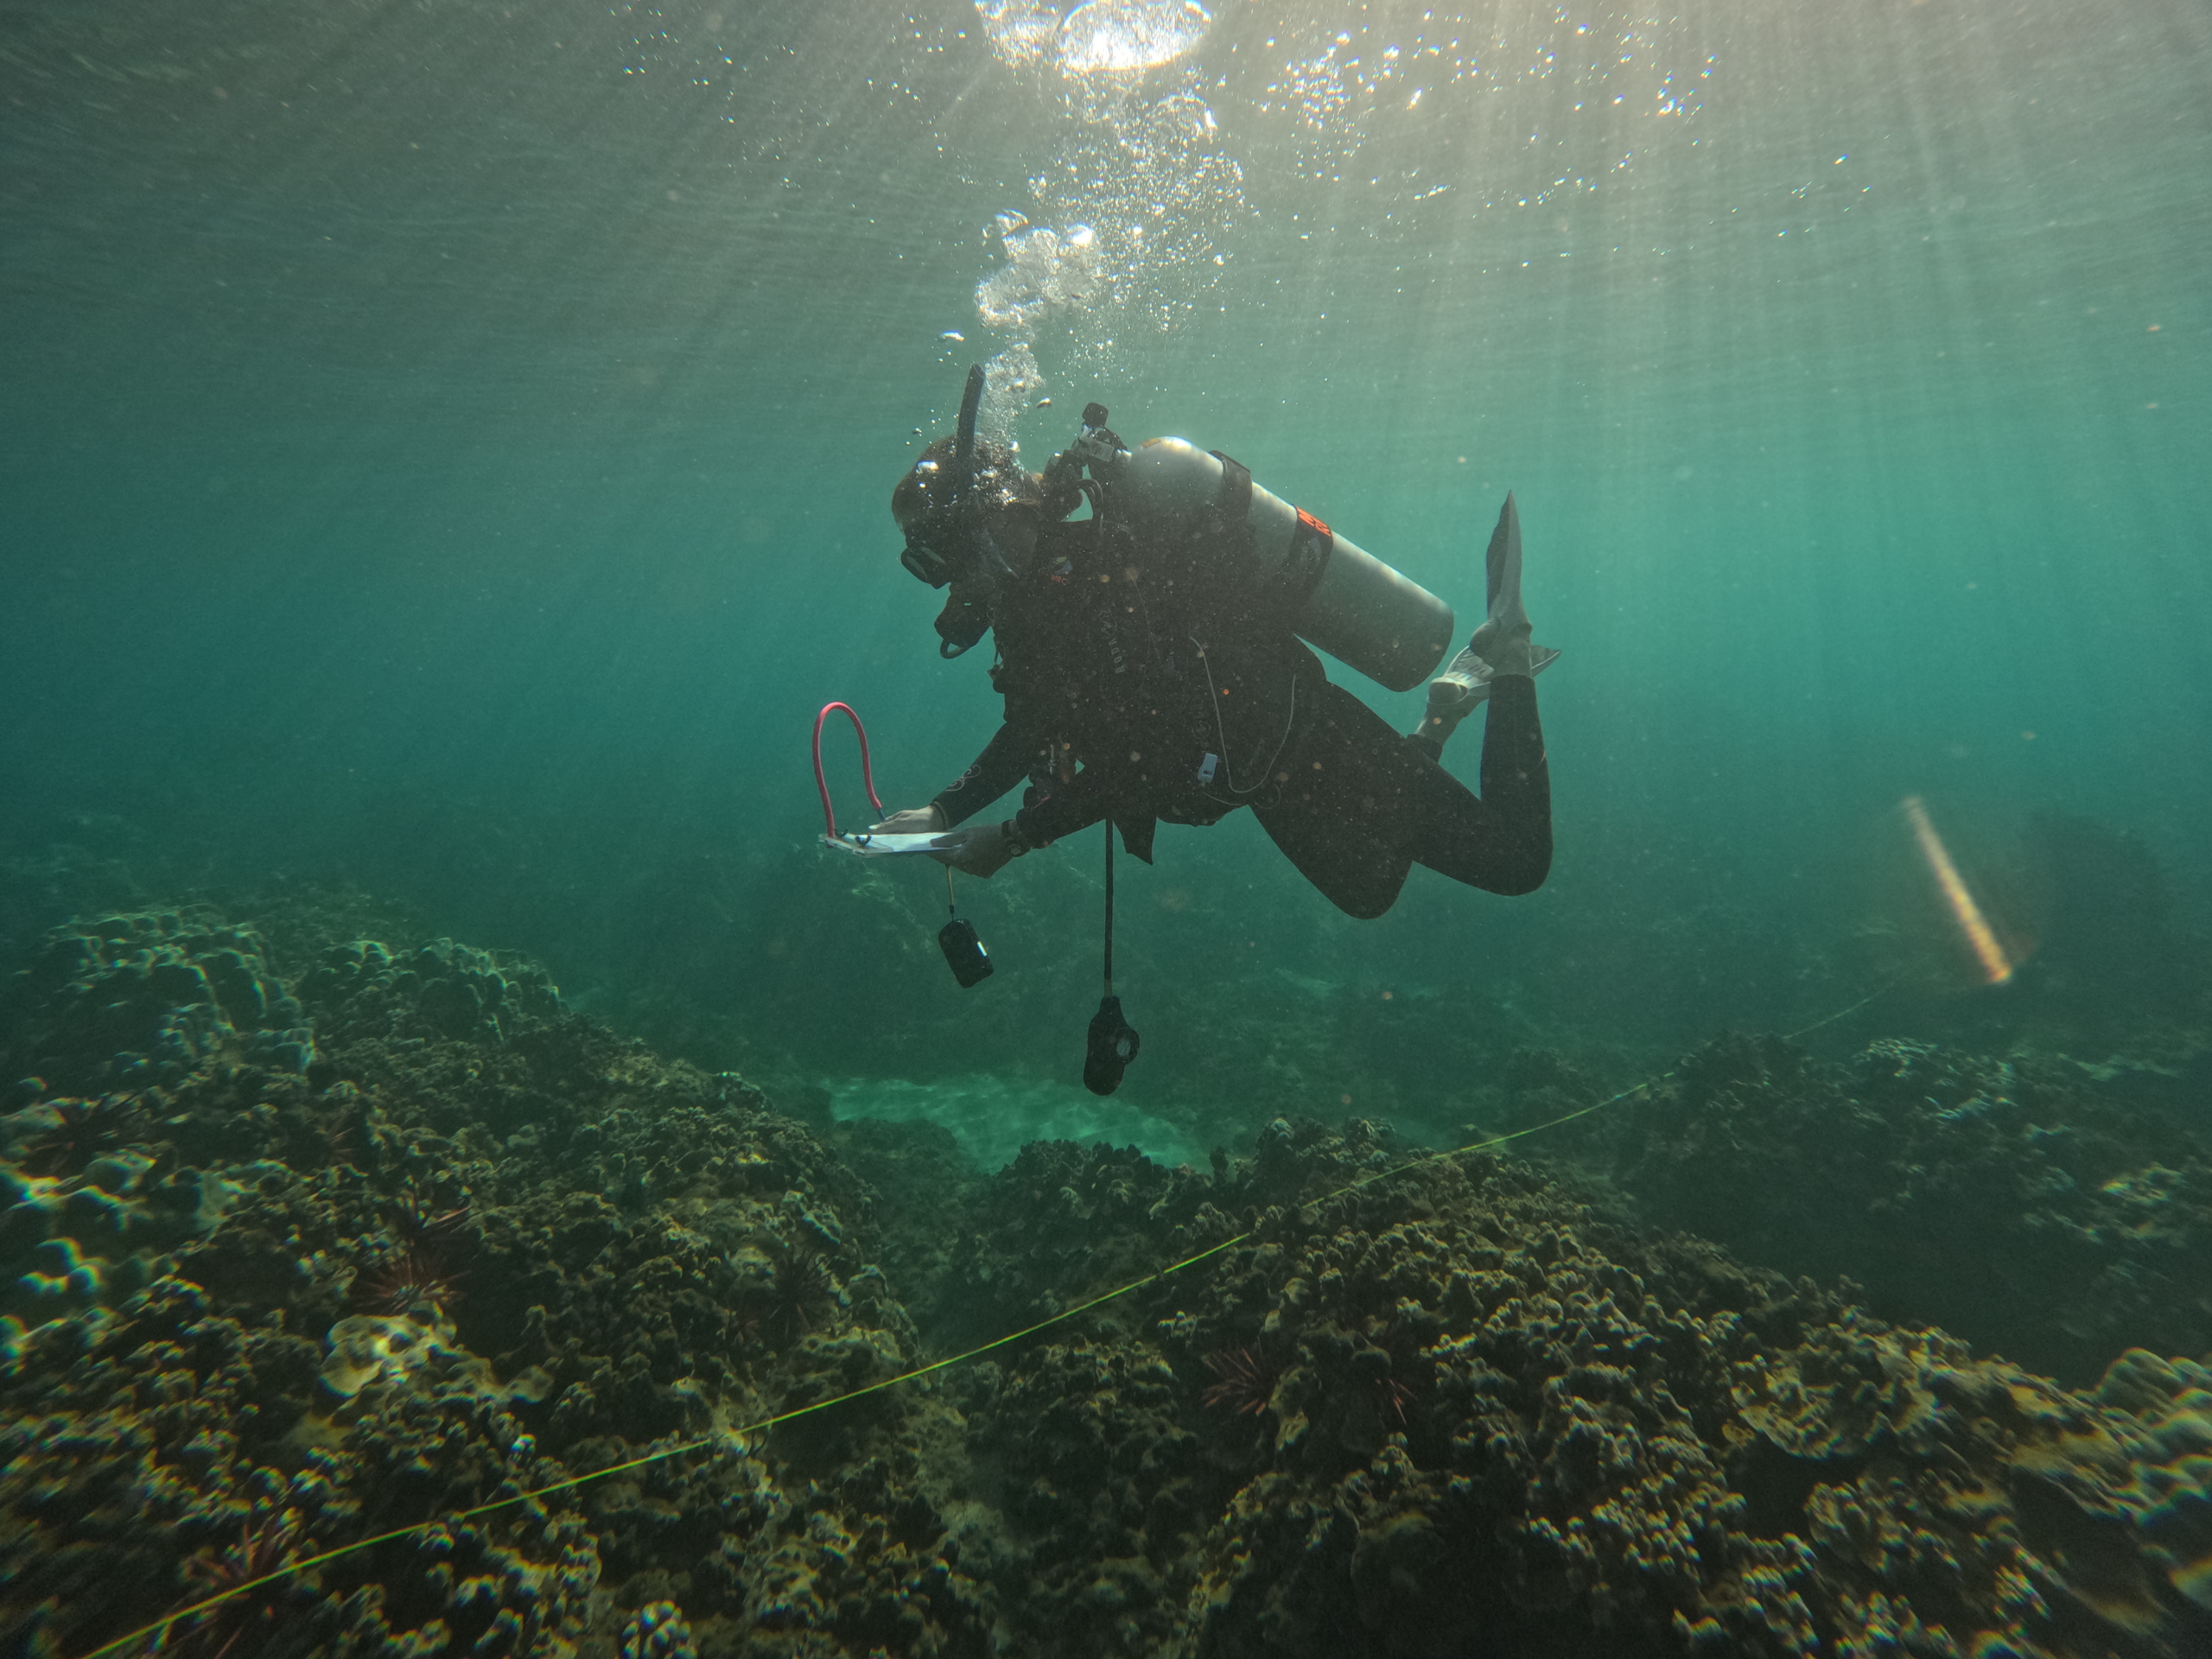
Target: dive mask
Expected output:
[947,543]
[924,557]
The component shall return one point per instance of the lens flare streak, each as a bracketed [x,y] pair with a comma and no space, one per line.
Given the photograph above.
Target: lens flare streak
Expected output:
[1996,966]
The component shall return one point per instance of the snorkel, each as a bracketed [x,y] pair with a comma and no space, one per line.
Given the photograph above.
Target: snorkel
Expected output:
[963,435]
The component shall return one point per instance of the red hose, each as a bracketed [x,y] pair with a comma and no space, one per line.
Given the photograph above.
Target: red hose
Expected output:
[867,772]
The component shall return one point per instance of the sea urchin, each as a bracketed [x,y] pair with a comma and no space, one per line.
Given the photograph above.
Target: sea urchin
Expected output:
[1245,1381]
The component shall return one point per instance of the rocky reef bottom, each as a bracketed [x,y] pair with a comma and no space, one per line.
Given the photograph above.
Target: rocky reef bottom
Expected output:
[314,1243]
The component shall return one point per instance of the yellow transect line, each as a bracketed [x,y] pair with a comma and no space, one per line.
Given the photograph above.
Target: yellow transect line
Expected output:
[293,1569]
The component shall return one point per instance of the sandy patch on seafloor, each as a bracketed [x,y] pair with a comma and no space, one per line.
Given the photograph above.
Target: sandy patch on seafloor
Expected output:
[993,1117]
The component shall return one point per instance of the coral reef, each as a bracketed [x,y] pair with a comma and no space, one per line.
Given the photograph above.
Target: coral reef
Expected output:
[91,1238]
[657,1631]
[135,1000]
[1492,1412]
[361,989]
[476,1246]
[2059,1213]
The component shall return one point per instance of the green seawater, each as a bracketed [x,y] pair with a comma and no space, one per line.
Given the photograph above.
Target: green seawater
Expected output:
[444,449]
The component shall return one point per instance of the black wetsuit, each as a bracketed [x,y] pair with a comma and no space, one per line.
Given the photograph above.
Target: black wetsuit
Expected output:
[1155,677]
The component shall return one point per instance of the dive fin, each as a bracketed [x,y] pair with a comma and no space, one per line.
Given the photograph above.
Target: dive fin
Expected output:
[1503,644]
[1503,564]
[1467,682]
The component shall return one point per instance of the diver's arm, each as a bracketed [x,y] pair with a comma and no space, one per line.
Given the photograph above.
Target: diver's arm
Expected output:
[1061,808]
[984,848]
[1003,763]
[912,821]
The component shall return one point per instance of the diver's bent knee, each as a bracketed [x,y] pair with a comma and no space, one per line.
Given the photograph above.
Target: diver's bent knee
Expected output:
[1523,877]
[1364,906]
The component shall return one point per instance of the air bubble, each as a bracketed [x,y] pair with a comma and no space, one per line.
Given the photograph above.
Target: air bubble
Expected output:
[1129,36]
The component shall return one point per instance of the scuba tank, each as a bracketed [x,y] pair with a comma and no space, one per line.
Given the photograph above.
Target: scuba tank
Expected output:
[1342,600]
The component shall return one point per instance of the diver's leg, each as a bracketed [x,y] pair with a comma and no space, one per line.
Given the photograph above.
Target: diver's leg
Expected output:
[1502,842]
[1345,804]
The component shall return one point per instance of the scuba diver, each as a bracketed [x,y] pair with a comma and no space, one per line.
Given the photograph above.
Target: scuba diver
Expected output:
[1152,665]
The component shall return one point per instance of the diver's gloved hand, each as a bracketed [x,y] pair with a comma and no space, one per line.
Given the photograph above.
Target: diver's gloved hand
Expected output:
[914,821]
[978,849]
